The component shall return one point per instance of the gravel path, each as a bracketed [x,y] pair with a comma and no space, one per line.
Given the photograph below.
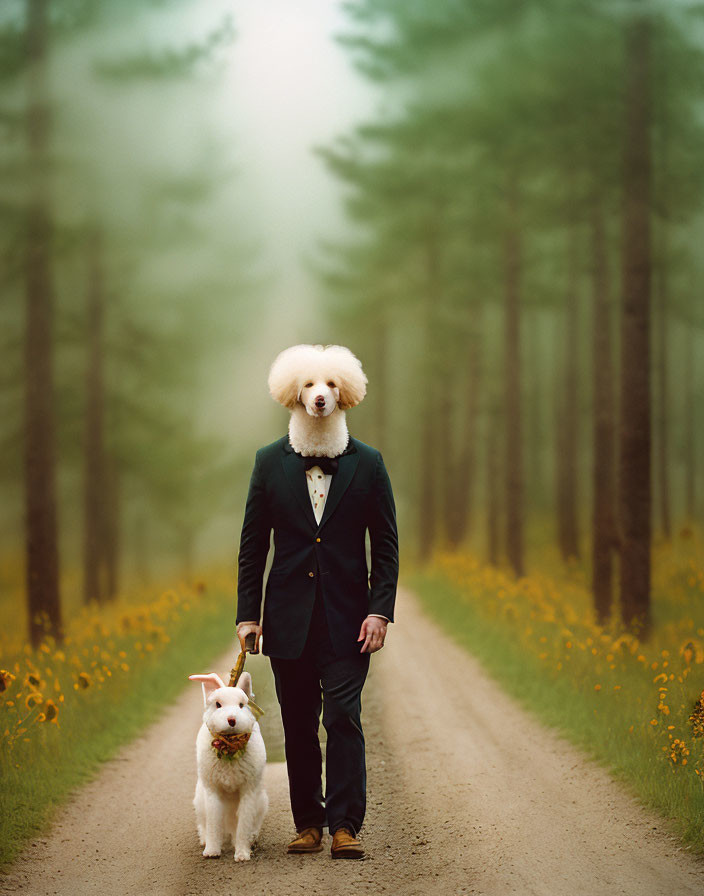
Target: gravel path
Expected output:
[456,804]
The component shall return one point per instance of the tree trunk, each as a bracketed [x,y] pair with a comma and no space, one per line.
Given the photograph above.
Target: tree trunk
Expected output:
[560,425]
[662,388]
[381,356]
[635,446]
[465,479]
[111,548]
[690,426]
[446,463]
[42,550]
[535,423]
[111,529]
[493,488]
[94,484]
[661,67]
[429,478]
[512,372]
[569,534]
[604,459]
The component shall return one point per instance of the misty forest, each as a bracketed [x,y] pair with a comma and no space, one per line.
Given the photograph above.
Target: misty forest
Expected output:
[520,276]
[497,206]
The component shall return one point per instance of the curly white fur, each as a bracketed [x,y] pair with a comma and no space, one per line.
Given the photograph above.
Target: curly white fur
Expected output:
[317,384]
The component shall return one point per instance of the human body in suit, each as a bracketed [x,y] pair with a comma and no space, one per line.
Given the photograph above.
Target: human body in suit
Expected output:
[321,600]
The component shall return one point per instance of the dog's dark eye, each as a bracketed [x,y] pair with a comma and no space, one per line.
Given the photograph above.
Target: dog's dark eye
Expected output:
[308,385]
[218,705]
[241,705]
[331,384]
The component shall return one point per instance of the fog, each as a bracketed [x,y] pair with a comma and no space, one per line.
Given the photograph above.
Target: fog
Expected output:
[188,130]
[489,204]
[288,87]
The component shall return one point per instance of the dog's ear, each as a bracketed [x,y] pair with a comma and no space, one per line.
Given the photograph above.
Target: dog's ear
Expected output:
[350,394]
[285,375]
[244,682]
[348,375]
[210,681]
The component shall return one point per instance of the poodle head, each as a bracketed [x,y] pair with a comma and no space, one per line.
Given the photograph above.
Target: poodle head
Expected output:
[321,377]
[226,710]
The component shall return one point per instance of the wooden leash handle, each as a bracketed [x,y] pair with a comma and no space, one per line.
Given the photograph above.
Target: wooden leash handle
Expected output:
[249,643]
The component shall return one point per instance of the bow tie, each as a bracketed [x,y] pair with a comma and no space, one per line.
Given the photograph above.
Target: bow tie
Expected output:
[326,464]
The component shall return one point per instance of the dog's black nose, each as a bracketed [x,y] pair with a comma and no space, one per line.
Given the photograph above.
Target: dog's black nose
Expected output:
[232,722]
[320,401]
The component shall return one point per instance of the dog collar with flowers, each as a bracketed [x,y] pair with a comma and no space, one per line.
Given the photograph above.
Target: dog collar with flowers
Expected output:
[228,746]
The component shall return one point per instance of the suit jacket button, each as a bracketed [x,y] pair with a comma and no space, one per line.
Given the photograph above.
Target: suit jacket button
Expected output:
[317,539]
[310,574]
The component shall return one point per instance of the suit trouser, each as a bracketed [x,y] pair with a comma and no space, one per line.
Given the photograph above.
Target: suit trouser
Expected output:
[318,678]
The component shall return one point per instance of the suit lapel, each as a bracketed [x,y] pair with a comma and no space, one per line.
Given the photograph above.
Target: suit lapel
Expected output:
[295,473]
[341,478]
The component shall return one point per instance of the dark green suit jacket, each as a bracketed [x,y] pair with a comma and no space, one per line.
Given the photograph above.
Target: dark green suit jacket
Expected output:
[333,553]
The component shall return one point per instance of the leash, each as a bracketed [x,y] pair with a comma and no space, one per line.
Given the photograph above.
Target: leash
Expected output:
[238,668]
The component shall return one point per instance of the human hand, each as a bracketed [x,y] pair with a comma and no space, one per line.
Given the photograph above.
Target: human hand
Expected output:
[373,632]
[244,629]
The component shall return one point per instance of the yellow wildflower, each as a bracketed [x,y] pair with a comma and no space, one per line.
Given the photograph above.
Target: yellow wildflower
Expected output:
[6,679]
[51,712]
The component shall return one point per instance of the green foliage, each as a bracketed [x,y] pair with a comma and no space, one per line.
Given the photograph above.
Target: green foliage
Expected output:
[177,62]
[498,117]
[135,150]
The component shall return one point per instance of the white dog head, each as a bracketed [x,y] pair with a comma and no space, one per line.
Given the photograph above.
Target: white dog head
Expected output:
[321,377]
[226,710]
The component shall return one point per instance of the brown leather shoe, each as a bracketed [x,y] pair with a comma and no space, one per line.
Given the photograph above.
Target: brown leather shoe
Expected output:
[345,845]
[308,840]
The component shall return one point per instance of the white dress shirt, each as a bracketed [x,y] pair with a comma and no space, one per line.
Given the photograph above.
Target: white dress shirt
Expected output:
[318,486]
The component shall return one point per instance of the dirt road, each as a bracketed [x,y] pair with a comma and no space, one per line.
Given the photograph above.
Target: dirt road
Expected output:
[457,804]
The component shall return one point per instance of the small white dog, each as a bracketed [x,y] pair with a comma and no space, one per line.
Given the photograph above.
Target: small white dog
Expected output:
[230,798]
